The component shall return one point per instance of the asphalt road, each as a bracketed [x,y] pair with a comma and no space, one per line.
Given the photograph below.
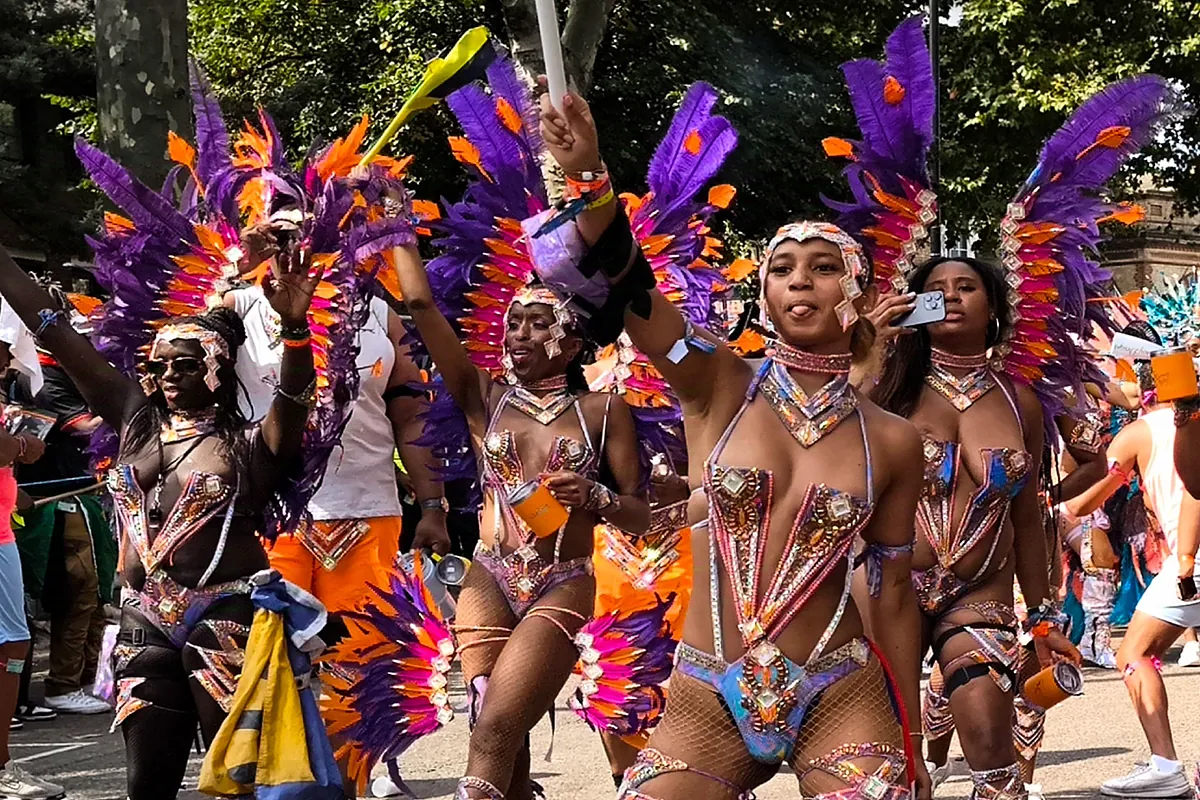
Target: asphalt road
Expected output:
[1088,740]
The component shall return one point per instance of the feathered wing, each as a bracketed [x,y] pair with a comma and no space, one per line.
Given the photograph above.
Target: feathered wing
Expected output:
[1051,233]
[624,660]
[893,203]
[671,223]
[160,262]
[387,680]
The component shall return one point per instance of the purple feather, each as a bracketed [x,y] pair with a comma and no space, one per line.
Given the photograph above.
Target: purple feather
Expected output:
[212,138]
[908,61]
[377,237]
[504,82]
[150,210]
[476,113]
[695,109]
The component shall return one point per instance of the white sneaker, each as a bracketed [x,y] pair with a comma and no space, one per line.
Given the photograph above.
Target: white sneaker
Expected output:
[1034,790]
[1190,656]
[77,703]
[17,784]
[1146,781]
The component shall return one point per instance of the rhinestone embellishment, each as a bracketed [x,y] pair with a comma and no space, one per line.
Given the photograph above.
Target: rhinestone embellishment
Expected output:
[733,483]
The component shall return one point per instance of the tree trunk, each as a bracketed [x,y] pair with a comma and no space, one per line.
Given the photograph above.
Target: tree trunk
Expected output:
[142,82]
[581,37]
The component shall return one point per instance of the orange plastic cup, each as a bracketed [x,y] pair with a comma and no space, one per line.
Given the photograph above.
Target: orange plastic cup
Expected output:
[1175,375]
[539,509]
[1054,684]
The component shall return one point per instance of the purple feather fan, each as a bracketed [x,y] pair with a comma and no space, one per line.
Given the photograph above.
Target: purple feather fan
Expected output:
[1055,219]
[212,138]
[624,660]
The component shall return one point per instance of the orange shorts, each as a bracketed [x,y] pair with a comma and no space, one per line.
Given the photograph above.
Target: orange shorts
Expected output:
[345,586]
[615,589]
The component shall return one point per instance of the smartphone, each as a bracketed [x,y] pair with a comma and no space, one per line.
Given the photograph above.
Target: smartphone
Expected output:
[1187,588]
[929,307]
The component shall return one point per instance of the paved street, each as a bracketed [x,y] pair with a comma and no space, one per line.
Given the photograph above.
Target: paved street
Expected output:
[1087,740]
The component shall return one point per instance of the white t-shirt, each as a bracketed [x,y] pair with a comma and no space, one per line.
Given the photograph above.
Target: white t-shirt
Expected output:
[360,478]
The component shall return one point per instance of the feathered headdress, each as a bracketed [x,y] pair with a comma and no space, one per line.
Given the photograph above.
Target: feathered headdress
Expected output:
[893,202]
[1051,233]
[672,227]
[1172,307]
[173,257]
[485,263]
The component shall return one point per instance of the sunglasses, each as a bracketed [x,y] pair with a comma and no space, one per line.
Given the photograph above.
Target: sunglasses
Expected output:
[183,365]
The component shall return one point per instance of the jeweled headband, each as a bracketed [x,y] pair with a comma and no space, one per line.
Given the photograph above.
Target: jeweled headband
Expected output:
[212,342]
[563,318]
[852,257]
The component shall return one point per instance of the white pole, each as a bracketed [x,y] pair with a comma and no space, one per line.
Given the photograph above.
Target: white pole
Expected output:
[556,76]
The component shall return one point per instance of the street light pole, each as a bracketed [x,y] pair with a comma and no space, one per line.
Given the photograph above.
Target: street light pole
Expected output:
[935,165]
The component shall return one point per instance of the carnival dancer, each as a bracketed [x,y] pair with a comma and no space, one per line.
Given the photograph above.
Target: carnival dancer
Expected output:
[1168,606]
[624,653]
[194,484]
[804,685]
[189,486]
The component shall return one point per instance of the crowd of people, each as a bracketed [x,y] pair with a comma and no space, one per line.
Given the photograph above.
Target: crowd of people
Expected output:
[213,454]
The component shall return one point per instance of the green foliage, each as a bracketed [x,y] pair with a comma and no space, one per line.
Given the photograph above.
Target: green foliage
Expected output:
[1014,69]
[47,87]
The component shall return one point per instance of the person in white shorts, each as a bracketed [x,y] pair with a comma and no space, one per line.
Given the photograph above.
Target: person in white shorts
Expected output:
[1162,615]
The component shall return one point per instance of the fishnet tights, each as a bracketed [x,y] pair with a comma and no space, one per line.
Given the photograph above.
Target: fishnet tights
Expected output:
[525,672]
[698,729]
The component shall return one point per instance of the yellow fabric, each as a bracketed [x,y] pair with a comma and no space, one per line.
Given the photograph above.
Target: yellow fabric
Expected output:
[276,746]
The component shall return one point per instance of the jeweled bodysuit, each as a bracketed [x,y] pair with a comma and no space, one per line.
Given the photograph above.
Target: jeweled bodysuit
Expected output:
[991,625]
[523,574]
[167,630]
[773,705]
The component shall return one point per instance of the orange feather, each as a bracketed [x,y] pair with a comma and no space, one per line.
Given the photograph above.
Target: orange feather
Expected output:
[739,270]
[180,151]
[838,148]
[466,153]
[1109,137]
[508,115]
[893,91]
[426,210]
[1126,214]
[693,143]
[342,156]
[721,196]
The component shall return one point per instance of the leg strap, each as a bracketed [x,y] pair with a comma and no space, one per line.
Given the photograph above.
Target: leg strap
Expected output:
[13,666]
[490,792]
[1029,727]
[1003,783]
[1002,674]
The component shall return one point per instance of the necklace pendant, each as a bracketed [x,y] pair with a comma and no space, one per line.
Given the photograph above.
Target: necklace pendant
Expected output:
[961,402]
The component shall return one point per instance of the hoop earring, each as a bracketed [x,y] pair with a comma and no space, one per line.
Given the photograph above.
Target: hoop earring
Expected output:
[993,337]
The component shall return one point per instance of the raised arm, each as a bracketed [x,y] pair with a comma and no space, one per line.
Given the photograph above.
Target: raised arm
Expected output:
[404,408]
[108,393]
[461,376]
[290,293]
[652,322]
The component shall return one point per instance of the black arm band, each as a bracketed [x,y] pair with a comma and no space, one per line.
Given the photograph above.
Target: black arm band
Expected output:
[615,253]
[403,390]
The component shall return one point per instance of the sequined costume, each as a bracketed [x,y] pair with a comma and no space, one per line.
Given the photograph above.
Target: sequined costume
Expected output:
[775,708]
[524,575]
[981,521]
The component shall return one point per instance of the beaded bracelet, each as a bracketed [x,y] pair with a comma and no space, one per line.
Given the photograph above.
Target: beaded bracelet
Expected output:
[296,332]
[297,343]
[305,397]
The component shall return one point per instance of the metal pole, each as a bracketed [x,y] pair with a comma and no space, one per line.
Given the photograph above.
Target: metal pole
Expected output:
[935,165]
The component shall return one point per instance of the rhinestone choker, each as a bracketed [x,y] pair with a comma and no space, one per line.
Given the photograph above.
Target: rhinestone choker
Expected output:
[952,361]
[804,361]
[555,384]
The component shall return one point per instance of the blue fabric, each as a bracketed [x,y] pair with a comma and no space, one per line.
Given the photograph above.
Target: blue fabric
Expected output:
[303,618]
[13,627]
[1130,591]
[1074,611]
